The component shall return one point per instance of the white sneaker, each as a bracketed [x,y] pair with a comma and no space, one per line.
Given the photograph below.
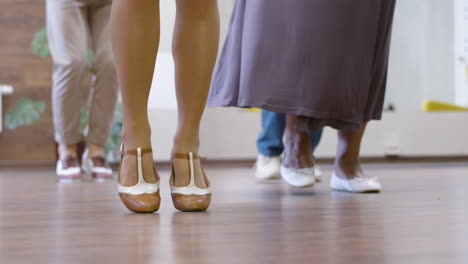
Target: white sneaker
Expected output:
[356,185]
[267,168]
[298,177]
[318,173]
[68,169]
[96,167]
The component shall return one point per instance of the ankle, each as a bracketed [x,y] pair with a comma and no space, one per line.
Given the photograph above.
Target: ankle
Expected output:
[135,137]
[297,157]
[297,153]
[185,148]
[347,161]
[65,150]
[186,143]
[95,150]
[348,167]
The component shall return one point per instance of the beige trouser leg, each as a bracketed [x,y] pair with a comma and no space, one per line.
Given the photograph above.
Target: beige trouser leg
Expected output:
[105,91]
[68,25]
[67,34]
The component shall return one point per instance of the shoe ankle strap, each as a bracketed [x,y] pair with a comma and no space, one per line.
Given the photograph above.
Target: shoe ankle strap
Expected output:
[186,156]
[125,152]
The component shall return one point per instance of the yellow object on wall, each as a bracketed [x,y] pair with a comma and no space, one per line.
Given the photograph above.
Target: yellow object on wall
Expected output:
[253,109]
[435,106]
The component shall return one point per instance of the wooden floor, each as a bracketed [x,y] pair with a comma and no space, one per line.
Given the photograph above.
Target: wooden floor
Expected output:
[421,217]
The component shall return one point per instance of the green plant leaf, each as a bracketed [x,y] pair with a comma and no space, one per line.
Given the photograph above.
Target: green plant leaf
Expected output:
[24,113]
[113,143]
[91,61]
[40,44]
[84,116]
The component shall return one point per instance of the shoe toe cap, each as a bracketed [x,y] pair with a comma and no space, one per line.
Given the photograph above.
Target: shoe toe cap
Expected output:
[192,202]
[374,186]
[141,203]
[298,178]
[367,186]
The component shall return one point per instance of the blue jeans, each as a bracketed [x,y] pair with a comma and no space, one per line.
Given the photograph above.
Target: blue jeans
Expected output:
[270,140]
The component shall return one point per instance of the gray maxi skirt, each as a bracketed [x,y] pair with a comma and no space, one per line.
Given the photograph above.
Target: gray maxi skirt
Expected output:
[323,60]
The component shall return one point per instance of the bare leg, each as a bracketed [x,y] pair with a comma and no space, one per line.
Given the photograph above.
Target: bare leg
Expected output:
[297,148]
[195,47]
[135,41]
[347,164]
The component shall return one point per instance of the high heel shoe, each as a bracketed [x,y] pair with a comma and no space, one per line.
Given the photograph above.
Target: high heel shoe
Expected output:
[142,197]
[190,198]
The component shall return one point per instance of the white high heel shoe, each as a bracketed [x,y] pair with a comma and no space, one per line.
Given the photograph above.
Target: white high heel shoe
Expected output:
[356,185]
[191,197]
[142,197]
[300,178]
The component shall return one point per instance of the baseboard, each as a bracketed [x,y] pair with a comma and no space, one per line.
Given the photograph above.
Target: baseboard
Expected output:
[247,162]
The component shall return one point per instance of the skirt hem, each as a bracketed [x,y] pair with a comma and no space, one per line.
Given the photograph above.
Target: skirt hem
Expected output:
[308,119]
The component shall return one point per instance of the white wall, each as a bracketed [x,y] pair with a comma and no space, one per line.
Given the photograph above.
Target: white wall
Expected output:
[168,16]
[461,51]
[230,134]
[162,93]
[422,53]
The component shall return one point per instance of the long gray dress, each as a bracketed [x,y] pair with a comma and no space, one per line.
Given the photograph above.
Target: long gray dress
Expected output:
[324,60]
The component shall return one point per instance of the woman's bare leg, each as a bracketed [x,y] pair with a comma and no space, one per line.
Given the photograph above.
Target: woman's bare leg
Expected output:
[195,47]
[347,163]
[135,41]
[297,152]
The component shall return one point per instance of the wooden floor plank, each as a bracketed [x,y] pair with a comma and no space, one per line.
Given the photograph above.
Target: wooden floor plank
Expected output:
[420,217]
